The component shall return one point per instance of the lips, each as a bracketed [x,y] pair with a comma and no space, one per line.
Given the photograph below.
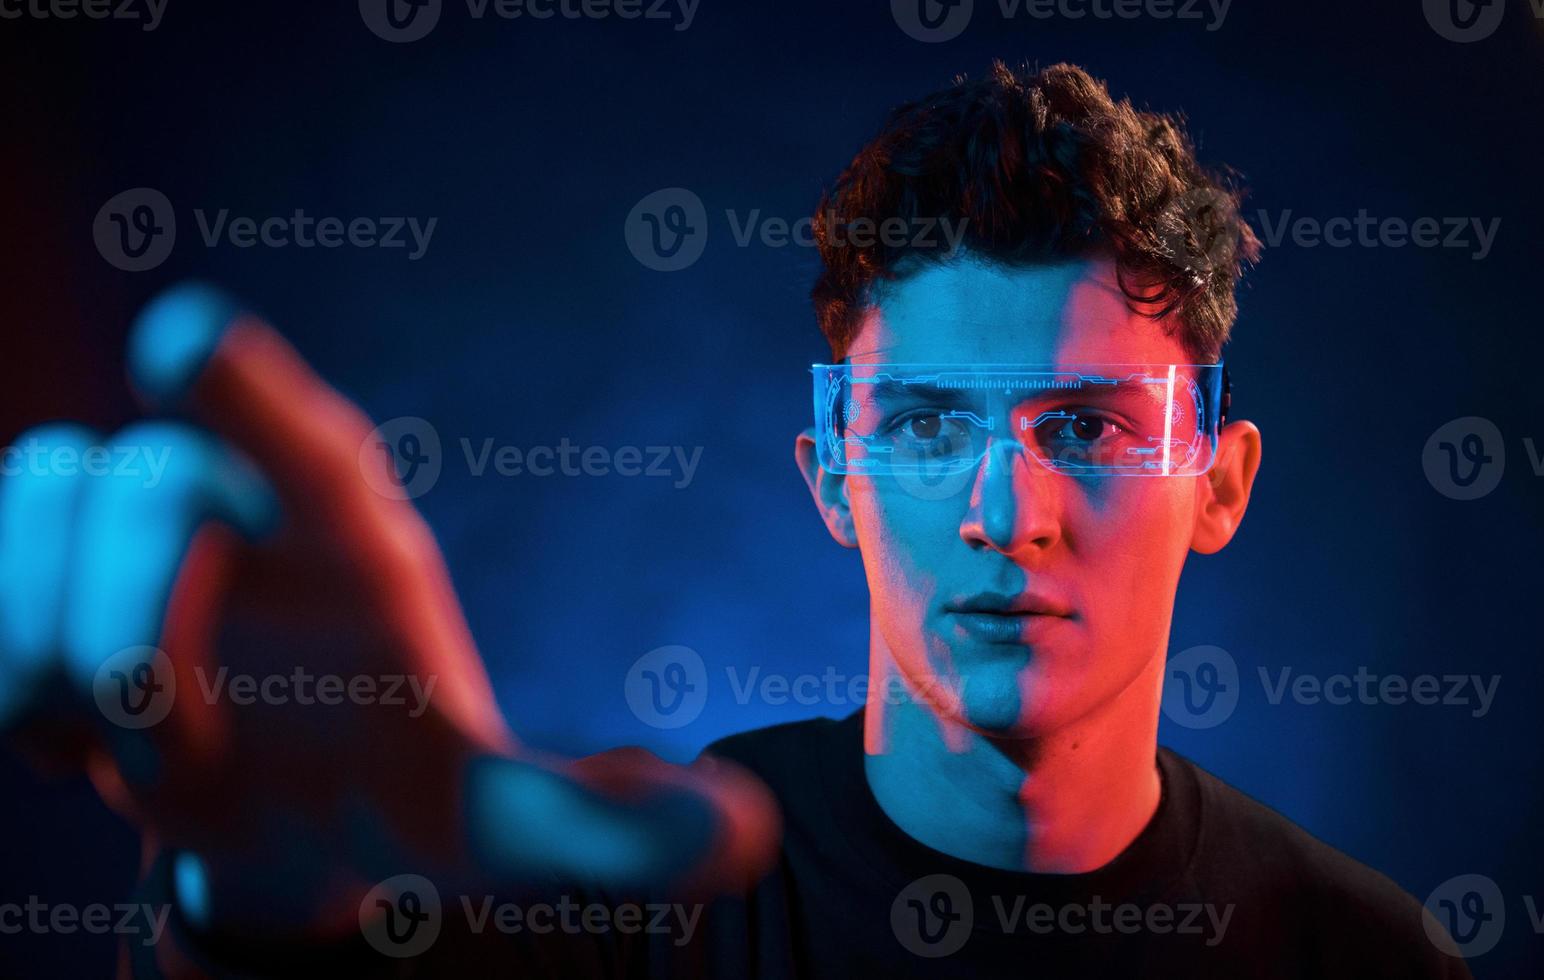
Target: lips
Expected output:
[998,618]
[999,604]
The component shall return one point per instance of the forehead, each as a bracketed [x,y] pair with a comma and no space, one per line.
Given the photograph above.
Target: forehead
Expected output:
[973,311]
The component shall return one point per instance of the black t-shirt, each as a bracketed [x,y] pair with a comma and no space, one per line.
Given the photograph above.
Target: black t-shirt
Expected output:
[1216,885]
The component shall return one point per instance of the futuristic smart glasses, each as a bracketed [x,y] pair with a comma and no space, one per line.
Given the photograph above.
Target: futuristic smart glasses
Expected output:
[1076,419]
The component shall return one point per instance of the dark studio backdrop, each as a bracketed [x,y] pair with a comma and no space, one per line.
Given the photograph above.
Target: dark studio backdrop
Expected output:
[529,318]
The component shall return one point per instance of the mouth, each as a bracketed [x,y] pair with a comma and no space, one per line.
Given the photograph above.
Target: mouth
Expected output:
[1020,619]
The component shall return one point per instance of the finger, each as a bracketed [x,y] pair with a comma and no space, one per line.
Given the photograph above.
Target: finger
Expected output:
[196,351]
[39,490]
[152,539]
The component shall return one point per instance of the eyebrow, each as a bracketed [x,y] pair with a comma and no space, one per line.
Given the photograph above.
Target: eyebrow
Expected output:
[890,388]
[1149,388]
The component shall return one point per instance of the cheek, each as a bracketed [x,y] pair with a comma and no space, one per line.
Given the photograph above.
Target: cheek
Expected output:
[1129,545]
[905,541]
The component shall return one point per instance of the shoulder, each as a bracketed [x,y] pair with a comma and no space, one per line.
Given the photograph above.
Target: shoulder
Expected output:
[1240,827]
[784,751]
[1287,872]
[813,767]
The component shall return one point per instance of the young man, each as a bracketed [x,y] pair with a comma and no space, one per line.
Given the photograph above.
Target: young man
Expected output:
[1024,437]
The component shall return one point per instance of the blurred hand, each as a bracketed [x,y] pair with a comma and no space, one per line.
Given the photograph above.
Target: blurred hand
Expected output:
[252,645]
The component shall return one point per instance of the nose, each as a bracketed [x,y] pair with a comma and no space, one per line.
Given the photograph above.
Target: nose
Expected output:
[1014,503]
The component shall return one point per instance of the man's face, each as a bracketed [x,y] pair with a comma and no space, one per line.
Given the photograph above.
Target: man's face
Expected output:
[1100,556]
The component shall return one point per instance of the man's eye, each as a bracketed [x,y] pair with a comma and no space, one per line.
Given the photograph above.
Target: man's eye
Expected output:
[1089,428]
[924,428]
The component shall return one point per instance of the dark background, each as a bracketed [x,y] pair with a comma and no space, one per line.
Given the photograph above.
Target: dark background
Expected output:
[529,320]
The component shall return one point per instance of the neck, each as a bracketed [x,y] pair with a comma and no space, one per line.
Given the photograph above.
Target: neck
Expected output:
[1062,802]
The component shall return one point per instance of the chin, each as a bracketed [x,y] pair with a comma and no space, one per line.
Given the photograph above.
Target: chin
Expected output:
[992,700]
[1010,700]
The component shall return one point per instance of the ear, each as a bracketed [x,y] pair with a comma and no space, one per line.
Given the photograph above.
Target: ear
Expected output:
[828,489]
[1223,493]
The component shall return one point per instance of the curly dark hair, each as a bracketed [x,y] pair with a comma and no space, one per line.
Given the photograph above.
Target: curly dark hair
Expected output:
[1039,167]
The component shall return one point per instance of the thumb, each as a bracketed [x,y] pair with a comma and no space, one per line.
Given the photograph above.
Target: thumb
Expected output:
[624,820]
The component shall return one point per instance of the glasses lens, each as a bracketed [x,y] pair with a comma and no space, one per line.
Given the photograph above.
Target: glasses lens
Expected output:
[1141,421]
